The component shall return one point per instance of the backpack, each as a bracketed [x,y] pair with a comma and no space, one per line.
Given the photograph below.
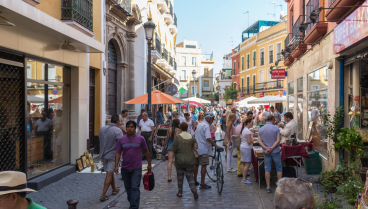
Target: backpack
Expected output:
[149,181]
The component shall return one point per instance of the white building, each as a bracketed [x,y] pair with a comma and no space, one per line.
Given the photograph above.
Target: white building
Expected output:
[224,79]
[195,70]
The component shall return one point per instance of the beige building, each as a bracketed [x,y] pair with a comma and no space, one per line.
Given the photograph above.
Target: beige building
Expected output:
[195,70]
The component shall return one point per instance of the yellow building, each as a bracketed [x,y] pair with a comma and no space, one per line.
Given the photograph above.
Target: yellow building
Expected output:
[256,56]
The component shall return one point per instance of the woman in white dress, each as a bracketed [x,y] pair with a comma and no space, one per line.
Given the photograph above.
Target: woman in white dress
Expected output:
[246,147]
[190,123]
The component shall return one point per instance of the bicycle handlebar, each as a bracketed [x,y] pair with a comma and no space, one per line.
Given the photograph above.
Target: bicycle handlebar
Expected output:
[220,140]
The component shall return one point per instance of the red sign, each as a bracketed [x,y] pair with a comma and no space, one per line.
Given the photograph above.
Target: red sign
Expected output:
[353,29]
[278,74]
[261,94]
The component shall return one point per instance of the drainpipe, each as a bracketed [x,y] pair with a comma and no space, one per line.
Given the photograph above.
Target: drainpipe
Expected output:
[341,99]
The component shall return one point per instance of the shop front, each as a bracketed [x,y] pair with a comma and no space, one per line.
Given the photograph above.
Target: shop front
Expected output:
[312,92]
[44,91]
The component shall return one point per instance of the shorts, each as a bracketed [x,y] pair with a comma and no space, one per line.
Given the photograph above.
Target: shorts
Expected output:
[276,158]
[246,155]
[169,149]
[109,165]
[203,160]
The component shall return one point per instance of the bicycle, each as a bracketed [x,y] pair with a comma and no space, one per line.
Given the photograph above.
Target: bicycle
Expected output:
[215,169]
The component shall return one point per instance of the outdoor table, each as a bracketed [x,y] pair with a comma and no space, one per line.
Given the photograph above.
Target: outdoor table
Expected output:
[292,155]
[257,162]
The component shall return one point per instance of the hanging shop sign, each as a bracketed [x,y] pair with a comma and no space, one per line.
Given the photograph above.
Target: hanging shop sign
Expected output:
[261,94]
[352,29]
[278,74]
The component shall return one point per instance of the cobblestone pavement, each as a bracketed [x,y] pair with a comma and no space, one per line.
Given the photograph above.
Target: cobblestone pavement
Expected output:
[84,187]
[87,188]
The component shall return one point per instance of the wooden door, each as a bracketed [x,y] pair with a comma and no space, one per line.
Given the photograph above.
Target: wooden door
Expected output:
[112,81]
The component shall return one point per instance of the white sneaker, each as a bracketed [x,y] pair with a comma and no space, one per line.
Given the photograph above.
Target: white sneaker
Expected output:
[231,170]
[246,182]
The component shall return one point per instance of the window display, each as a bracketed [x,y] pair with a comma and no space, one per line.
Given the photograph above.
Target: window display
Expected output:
[291,96]
[48,117]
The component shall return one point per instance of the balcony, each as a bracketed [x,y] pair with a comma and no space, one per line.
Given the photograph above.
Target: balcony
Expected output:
[164,54]
[168,19]
[163,6]
[225,77]
[248,89]
[175,66]
[340,9]
[206,89]
[269,86]
[314,31]
[182,78]
[173,28]
[156,48]
[296,46]
[171,61]
[236,49]
[80,11]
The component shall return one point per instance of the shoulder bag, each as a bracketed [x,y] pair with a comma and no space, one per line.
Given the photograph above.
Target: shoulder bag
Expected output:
[236,140]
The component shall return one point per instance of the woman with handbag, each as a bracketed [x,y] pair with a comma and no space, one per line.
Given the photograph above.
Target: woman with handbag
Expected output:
[229,132]
[173,131]
[184,159]
[246,147]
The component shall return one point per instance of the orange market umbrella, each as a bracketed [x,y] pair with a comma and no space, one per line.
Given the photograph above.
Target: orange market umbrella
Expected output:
[157,97]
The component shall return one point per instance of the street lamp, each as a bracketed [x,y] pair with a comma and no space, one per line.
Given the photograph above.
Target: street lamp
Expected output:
[149,28]
[194,74]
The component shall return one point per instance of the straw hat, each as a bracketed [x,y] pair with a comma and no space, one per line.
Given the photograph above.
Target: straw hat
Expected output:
[12,182]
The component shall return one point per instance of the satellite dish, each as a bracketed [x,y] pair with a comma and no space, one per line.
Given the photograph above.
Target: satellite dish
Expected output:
[171,89]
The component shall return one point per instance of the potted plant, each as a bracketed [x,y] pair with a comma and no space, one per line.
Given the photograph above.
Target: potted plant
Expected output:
[350,140]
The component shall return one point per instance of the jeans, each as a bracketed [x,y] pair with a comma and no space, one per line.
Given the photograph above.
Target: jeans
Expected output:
[229,156]
[276,158]
[132,181]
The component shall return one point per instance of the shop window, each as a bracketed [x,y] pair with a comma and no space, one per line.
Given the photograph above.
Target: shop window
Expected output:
[290,93]
[48,118]
[317,110]
[314,79]
[299,115]
[300,85]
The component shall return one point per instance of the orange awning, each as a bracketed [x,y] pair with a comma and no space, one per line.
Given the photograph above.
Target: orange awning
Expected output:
[157,97]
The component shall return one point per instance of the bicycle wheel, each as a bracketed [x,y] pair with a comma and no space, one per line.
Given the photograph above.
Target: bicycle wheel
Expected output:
[220,177]
[211,169]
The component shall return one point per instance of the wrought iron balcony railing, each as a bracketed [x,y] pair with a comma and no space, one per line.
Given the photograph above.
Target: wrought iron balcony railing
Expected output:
[248,89]
[272,85]
[157,44]
[175,66]
[171,10]
[236,49]
[80,11]
[171,61]
[175,20]
[297,37]
[225,77]
[330,2]
[164,54]
[311,5]
[206,88]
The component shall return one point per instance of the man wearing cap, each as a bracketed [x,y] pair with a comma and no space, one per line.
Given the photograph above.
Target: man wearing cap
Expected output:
[13,191]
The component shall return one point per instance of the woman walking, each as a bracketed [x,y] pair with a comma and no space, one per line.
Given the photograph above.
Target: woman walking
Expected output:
[184,159]
[200,119]
[228,136]
[246,147]
[174,131]
[190,123]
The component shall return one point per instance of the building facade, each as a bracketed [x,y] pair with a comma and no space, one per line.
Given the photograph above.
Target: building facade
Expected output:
[235,67]
[51,63]
[195,70]
[258,55]
[326,68]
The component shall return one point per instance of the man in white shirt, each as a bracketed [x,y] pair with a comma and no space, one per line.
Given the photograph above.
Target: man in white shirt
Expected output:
[147,128]
[177,116]
[123,119]
[289,129]
[205,143]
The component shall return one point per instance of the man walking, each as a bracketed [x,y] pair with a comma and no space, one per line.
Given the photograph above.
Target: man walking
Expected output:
[269,139]
[205,143]
[109,135]
[131,168]
[147,128]
[159,116]
[123,119]
[289,129]
[177,116]
[140,116]
[44,129]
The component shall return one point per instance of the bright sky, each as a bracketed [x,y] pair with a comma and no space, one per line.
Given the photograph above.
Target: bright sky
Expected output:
[215,23]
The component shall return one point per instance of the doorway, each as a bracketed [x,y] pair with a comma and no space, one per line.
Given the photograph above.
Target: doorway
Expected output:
[112,81]
[91,124]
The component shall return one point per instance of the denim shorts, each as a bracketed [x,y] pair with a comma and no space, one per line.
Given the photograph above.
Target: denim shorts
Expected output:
[276,158]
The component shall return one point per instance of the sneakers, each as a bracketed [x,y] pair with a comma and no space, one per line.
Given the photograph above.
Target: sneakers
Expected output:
[231,170]
[246,182]
[268,190]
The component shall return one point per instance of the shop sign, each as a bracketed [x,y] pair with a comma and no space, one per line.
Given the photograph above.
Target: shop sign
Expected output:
[261,94]
[353,29]
[278,74]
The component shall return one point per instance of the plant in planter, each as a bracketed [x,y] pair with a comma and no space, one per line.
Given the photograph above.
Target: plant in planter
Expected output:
[350,189]
[350,140]
[334,124]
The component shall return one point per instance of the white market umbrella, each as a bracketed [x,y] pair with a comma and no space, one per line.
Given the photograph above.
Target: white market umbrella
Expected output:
[244,101]
[199,100]
[267,100]
[33,99]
